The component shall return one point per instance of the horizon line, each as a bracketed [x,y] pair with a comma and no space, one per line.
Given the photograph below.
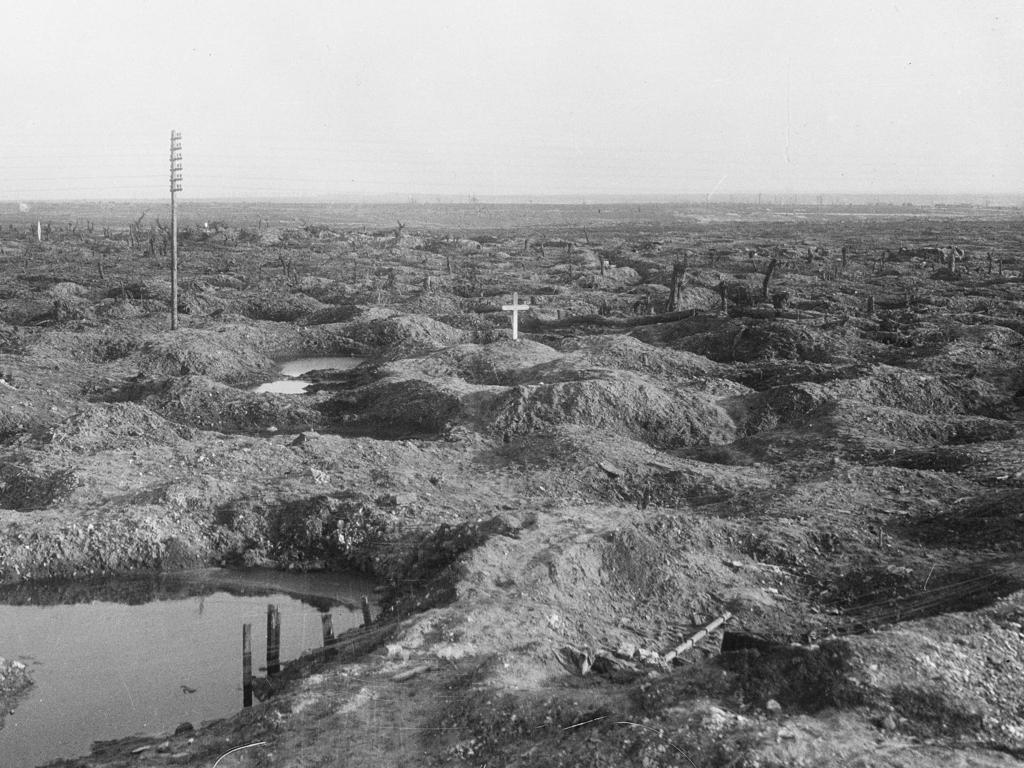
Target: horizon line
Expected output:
[580,198]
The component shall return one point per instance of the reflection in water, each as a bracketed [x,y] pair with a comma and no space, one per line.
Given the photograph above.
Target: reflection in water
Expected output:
[284,386]
[106,670]
[291,385]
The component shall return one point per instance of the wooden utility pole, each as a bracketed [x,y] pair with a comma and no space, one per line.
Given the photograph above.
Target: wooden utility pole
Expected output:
[175,187]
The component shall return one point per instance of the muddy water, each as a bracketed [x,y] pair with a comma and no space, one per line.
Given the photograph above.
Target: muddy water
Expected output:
[119,658]
[291,372]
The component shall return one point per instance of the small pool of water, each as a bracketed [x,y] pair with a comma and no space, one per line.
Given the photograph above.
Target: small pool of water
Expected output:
[291,370]
[112,659]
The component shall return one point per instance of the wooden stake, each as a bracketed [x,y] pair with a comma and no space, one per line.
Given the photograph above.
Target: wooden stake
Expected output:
[247,665]
[273,640]
[328,627]
[688,644]
[367,618]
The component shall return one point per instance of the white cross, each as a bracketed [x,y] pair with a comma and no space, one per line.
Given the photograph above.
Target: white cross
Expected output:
[514,308]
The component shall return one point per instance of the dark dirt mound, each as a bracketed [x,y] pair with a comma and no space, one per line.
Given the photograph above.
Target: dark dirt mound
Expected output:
[394,332]
[992,521]
[224,357]
[23,487]
[919,392]
[279,307]
[630,354]
[404,407]
[610,280]
[775,339]
[677,333]
[30,411]
[573,459]
[698,297]
[116,426]
[887,402]
[199,402]
[194,296]
[853,427]
[501,362]
[991,353]
[618,400]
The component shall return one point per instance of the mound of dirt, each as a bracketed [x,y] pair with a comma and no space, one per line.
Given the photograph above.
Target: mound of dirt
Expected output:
[195,297]
[678,334]
[630,354]
[30,310]
[67,291]
[30,411]
[579,460]
[501,362]
[116,426]
[24,488]
[610,280]
[992,521]
[698,297]
[321,288]
[199,402]
[394,332]
[863,421]
[279,307]
[883,401]
[779,339]
[222,357]
[921,393]
[125,309]
[858,425]
[946,675]
[990,352]
[618,400]
[398,407]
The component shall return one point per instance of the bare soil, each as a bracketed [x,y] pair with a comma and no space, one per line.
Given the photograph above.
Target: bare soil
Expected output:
[834,456]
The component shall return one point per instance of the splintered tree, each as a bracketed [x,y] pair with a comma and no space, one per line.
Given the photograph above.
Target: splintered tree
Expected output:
[135,228]
[676,286]
[768,274]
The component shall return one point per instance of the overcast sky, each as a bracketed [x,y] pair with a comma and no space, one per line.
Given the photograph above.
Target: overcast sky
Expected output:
[521,97]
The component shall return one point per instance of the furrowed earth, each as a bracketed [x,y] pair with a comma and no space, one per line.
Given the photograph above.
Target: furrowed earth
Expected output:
[807,419]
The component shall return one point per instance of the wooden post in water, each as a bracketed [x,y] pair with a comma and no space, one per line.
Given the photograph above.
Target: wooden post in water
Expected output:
[367,618]
[273,640]
[247,665]
[328,627]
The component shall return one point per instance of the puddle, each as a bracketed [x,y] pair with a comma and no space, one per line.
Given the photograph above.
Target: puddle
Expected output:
[118,658]
[291,370]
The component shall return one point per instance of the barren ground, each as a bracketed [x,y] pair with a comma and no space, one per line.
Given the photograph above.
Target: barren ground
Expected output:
[835,460]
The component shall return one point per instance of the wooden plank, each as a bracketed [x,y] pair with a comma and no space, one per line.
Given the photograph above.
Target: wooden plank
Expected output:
[688,644]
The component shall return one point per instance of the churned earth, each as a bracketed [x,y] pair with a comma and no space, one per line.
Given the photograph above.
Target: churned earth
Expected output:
[808,422]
